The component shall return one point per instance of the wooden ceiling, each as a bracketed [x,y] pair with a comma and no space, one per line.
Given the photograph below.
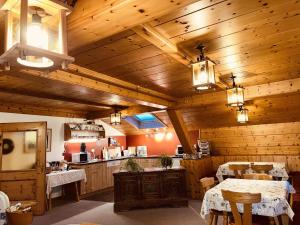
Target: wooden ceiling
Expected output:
[134,53]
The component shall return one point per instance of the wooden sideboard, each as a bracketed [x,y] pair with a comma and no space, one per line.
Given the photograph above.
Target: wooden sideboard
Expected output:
[150,188]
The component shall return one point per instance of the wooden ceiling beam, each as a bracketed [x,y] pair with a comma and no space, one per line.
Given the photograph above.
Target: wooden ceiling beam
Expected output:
[149,33]
[115,81]
[129,95]
[30,93]
[39,110]
[152,35]
[181,130]
[251,92]
[94,20]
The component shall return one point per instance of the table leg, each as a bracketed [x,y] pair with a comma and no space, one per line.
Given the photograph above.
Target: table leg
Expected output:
[76,191]
[225,218]
[50,201]
[285,219]
[276,220]
[211,218]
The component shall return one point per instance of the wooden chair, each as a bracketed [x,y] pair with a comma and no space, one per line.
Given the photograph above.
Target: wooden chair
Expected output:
[239,169]
[247,199]
[262,168]
[206,184]
[258,176]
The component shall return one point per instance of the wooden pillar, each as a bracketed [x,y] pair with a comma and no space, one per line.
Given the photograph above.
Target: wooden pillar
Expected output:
[180,129]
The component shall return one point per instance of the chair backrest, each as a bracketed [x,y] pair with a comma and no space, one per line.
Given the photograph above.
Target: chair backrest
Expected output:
[207,183]
[239,169]
[258,176]
[262,168]
[247,199]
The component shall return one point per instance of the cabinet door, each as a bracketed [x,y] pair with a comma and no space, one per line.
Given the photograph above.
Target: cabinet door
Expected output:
[127,188]
[174,185]
[151,186]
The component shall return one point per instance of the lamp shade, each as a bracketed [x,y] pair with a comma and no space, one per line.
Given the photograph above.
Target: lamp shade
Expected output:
[115,118]
[242,115]
[35,33]
[203,74]
[235,96]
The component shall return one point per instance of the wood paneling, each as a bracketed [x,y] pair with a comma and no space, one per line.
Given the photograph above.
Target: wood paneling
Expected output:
[256,41]
[197,169]
[267,139]
[94,20]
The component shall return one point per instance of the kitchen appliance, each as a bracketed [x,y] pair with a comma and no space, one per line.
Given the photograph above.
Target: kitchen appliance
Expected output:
[81,157]
[179,150]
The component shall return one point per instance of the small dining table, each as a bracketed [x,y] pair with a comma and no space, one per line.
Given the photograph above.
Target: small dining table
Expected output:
[279,170]
[59,178]
[273,203]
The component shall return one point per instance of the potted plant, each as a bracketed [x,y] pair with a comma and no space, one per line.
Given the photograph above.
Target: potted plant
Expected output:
[166,161]
[132,166]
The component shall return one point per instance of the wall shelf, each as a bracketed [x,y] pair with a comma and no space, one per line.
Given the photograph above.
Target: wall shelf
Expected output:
[83,131]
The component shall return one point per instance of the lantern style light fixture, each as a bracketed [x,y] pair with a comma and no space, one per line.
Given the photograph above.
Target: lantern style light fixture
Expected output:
[242,115]
[235,94]
[203,72]
[35,34]
[115,118]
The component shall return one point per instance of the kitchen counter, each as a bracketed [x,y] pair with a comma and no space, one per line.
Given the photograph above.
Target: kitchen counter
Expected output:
[121,158]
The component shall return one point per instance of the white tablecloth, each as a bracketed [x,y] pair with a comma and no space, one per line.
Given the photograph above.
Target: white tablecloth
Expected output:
[273,193]
[55,179]
[279,170]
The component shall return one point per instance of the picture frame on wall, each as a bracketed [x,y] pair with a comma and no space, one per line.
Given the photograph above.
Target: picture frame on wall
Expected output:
[48,140]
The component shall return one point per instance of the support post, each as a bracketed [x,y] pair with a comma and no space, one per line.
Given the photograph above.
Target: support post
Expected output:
[180,129]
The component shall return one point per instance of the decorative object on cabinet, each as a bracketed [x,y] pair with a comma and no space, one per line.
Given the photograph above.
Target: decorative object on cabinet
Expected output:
[48,140]
[166,161]
[35,34]
[132,166]
[204,147]
[8,146]
[83,131]
[203,72]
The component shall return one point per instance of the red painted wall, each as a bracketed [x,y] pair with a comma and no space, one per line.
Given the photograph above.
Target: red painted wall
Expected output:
[161,143]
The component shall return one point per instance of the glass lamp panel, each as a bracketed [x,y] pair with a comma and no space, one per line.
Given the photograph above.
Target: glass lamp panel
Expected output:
[203,74]
[12,23]
[43,35]
[242,115]
[235,96]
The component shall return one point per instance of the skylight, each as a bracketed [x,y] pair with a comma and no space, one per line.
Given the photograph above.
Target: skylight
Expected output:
[145,121]
[145,117]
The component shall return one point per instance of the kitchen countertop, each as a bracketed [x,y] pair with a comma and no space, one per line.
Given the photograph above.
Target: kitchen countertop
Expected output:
[121,158]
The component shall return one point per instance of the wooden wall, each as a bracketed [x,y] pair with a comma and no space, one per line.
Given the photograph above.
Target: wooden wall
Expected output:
[266,143]
[265,139]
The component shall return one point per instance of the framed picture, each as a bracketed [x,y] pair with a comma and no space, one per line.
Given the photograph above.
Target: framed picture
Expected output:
[30,141]
[48,140]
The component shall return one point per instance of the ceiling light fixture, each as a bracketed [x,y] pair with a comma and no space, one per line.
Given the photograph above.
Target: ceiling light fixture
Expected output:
[35,34]
[235,94]
[115,118]
[242,115]
[203,72]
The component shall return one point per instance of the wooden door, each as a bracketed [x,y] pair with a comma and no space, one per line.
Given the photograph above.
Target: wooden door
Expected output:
[22,162]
